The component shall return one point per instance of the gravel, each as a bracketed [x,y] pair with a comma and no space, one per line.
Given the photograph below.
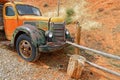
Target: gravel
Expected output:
[12,67]
[50,66]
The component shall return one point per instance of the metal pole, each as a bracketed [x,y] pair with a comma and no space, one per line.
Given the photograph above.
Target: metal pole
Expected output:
[58,7]
[96,51]
[102,68]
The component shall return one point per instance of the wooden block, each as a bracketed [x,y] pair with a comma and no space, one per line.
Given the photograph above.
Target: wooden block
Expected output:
[75,66]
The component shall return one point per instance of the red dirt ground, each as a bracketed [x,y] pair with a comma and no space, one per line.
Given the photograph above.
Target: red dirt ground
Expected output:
[106,38]
[106,12]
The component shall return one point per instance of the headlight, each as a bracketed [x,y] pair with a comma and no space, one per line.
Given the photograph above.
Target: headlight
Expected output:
[50,34]
[67,32]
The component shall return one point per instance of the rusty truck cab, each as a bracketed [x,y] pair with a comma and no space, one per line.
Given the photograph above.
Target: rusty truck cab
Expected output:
[10,17]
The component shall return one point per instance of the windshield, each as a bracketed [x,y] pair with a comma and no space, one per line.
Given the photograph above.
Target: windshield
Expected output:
[27,10]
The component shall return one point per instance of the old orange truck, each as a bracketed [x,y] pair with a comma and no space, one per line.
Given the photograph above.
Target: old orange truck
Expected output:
[29,32]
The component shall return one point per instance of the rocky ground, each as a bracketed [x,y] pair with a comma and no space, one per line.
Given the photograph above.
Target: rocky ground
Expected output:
[12,67]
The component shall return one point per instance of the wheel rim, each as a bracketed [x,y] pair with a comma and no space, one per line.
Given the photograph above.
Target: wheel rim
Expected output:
[25,48]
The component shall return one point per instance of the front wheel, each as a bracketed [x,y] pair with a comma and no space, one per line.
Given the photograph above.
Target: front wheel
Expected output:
[26,49]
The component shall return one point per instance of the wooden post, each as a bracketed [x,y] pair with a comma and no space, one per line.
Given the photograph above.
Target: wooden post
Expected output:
[75,66]
[77,36]
[58,7]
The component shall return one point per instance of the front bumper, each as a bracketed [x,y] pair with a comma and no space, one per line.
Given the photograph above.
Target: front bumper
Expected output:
[52,46]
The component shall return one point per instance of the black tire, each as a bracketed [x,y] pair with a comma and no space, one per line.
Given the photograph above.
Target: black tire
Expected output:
[26,49]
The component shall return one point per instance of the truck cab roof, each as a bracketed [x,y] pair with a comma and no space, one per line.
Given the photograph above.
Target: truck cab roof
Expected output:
[2,2]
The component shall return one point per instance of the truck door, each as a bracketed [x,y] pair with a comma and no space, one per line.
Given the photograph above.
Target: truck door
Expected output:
[10,20]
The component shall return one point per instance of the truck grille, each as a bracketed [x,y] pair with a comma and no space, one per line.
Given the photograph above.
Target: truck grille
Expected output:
[59,32]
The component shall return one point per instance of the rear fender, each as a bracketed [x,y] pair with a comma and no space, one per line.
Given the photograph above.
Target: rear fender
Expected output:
[37,36]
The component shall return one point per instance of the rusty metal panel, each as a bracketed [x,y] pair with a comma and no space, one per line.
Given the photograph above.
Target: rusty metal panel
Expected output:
[3,1]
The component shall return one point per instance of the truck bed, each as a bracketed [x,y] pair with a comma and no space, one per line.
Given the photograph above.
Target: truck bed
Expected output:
[2,35]
[1,17]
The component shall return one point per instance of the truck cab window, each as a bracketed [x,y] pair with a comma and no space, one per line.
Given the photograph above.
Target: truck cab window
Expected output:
[9,11]
[27,10]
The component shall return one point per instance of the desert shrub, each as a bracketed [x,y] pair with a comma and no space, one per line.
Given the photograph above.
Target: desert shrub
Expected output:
[68,20]
[69,13]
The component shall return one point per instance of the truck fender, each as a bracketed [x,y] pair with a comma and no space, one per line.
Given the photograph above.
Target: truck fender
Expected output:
[37,36]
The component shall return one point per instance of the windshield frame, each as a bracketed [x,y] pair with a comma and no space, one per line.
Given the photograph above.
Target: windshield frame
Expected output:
[28,14]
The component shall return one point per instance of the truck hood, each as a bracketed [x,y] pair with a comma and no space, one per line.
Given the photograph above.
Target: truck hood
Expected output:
[33,18]
[40,22]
